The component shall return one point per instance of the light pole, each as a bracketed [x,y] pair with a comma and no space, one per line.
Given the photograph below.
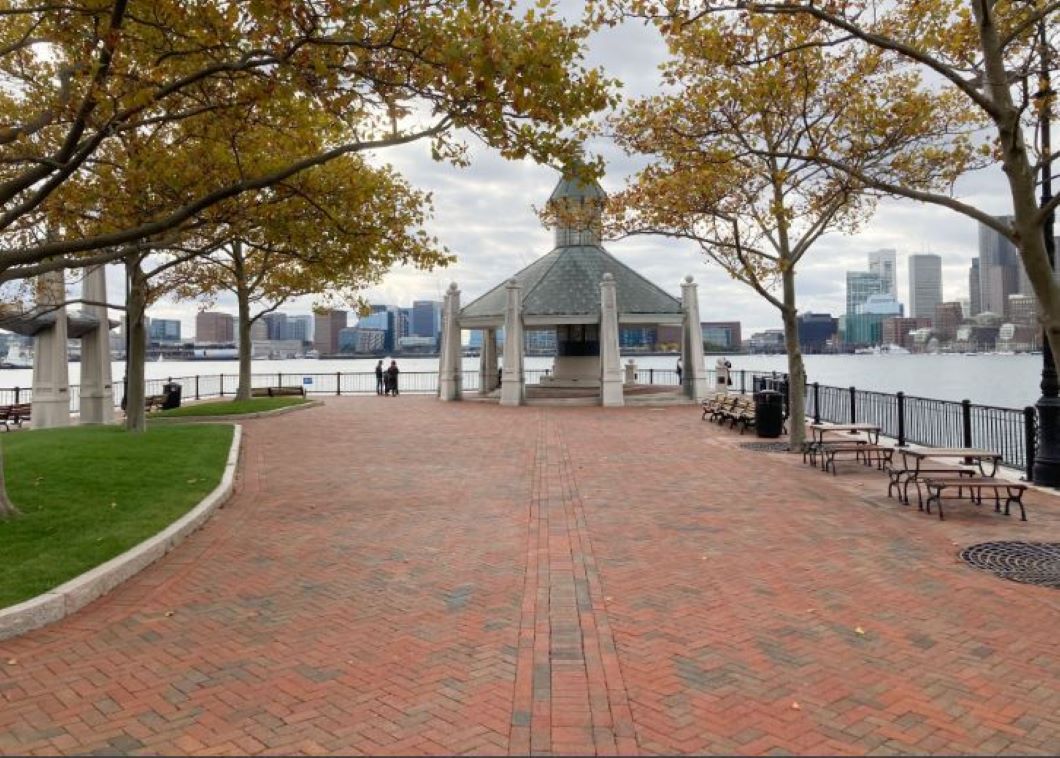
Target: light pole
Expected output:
[1047,457]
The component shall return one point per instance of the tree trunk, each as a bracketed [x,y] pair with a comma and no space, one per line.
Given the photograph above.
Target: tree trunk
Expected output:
[135,415]
[796,369]
[245,345]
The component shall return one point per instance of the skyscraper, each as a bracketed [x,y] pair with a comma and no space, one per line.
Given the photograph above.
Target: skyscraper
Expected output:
[859,324]
[860,285]
[925,285]
[974,303]
[213,328]
[276,324]
[326,328]
[999,274]
[426,318]
[883,264]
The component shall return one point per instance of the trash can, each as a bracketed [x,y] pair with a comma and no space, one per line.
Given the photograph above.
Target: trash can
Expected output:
[769,413]
[172,393]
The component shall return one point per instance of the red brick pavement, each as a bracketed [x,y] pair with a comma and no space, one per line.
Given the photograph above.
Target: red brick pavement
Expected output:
[403,576]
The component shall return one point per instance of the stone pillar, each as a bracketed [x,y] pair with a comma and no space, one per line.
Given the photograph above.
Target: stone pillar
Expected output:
[97,391]
[51,376]
[513,390]
[451,372]
[487,366]
[694,380]
[610,364]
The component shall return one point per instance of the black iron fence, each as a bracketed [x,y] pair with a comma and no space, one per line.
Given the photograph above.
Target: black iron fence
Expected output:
[906,418]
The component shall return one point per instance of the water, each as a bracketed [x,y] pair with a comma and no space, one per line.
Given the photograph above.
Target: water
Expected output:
[1003,380]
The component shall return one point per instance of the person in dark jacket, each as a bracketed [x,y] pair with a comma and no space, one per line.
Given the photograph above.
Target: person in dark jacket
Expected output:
[392,377]
[380,387]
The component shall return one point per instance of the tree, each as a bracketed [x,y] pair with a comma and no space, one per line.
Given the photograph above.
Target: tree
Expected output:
[335,228]
[750,99]
[81,80]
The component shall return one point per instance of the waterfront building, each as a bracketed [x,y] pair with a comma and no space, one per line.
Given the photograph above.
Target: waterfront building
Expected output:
[925,285]
[999,269]
[275,325]
[259,330]
[326,328]
[362,341]
[860,286]
[817,331]
[948,316]
[417,344]
[1022,309]
[722,335]
[426,319]
[883,263]
[586,295]
[163,331]
[299,328]
[215,328]
[899,330]
[974,299]
[866,326]
[768,341]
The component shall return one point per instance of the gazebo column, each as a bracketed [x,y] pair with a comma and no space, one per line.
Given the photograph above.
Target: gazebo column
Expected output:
[51,376]
[487,366]
[694,378]
[451,374]
[97,391]
[610,365]
[512,387]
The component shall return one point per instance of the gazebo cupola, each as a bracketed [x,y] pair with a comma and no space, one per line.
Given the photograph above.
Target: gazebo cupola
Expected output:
[582,292]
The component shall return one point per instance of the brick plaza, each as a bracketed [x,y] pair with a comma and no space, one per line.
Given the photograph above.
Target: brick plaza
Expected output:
[399,575]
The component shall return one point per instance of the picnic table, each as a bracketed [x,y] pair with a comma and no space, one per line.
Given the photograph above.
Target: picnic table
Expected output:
[915,463]
[818,432]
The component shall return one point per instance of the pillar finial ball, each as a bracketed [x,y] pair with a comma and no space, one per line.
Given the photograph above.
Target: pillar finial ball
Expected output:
[453,287]
[608,277]
[688,279]
[512,282]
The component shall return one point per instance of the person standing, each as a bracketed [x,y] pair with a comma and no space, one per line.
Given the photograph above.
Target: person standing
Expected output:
[380,388]
[679,368]
[392,377]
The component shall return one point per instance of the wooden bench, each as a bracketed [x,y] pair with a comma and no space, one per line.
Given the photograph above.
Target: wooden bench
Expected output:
[722,407]
[902,488]
[712,404]
[15,414]
[277,391]
[866,452]
[1013,492]
[154,402]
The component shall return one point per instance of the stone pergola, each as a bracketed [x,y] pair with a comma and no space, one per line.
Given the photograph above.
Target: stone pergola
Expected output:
[586,295]
[51,326]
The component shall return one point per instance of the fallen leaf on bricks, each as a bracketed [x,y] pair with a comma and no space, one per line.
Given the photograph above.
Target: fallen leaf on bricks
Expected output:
[859,630]
[796,707]
[12,661]
[170,613]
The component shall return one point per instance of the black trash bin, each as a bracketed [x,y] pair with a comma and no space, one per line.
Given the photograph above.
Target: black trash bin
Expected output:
[172,392]
[769,413]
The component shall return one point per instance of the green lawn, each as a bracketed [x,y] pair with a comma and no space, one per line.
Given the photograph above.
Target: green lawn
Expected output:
[89,493]
[231,407]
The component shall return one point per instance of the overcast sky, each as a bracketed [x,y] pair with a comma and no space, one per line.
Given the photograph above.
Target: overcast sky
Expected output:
[485,215]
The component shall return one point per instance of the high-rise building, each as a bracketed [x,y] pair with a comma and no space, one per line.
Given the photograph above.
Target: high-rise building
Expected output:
[999,269]
[883,264]
[899,330]
[860,286]
[975,305]
[299,328]
[925,285]
[1023,309]
[164,330]
[214,328]
[722,335]
[948,316]
[326,328]
[275,325]
[426,318]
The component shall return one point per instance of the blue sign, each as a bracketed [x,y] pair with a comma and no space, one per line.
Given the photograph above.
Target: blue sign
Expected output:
[307,380]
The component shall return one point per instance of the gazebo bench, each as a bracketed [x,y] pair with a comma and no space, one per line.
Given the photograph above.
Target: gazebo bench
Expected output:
[975,485]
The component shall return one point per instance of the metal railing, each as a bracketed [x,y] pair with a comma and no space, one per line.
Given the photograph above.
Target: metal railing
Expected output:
[906,418]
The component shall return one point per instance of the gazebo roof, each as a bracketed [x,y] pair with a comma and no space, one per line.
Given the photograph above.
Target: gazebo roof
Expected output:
[566,282]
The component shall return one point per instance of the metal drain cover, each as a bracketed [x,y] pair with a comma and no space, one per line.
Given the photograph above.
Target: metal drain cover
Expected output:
[766,447]
[1026,562]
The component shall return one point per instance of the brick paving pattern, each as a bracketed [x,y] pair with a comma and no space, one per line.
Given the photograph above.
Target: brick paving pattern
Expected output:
[397,575]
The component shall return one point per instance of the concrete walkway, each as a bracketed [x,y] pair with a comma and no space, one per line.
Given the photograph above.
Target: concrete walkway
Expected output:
[397,575]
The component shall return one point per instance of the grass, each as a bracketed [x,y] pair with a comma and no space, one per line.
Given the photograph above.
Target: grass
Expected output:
[232,407]
[89,493]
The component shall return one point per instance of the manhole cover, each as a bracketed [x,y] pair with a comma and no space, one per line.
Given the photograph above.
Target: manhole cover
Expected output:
[1026,562]
[766,447]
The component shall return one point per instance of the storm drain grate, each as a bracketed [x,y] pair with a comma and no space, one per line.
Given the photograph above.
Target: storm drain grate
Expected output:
[766,447]
[1026,562]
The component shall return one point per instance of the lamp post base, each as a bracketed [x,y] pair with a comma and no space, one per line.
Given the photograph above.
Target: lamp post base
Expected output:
[1047,457]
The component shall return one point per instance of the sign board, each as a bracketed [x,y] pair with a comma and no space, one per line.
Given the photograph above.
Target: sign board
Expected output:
[307,380]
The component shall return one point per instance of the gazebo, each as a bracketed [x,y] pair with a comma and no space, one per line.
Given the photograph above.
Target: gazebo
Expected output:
[586,295]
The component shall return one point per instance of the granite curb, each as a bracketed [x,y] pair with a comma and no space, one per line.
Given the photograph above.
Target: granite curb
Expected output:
[235,417]
[75,594]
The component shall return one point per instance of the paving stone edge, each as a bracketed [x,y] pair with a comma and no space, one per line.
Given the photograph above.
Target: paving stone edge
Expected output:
[237,416]
[75,594]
